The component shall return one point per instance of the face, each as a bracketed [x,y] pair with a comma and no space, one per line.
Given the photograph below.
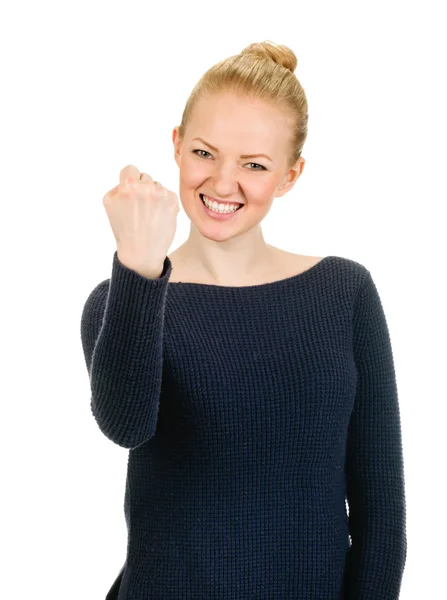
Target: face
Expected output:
[234,126]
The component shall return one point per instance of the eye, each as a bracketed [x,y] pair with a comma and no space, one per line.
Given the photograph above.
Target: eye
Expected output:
[261,168]
[194,151]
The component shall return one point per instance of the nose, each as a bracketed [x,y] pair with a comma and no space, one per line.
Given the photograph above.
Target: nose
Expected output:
[223,181]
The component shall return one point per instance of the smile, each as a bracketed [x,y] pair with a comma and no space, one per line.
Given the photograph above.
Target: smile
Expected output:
[220,207]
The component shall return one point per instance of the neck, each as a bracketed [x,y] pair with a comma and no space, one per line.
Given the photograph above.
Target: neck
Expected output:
[227,262]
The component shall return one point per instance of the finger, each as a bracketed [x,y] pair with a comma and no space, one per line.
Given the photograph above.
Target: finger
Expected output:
[161,189]
[146,177]
[129,171]
[111,193]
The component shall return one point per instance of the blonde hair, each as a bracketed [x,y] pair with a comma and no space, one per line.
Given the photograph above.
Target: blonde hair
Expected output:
[263,71]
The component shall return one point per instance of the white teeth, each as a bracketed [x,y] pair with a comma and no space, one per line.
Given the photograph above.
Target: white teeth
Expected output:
[218,207]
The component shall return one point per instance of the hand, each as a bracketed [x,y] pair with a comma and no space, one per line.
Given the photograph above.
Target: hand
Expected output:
[143,217]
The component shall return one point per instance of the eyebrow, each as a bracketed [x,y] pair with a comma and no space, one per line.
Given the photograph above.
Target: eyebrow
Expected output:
[242,155]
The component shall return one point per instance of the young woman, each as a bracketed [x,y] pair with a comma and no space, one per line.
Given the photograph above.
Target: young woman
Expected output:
[254,388]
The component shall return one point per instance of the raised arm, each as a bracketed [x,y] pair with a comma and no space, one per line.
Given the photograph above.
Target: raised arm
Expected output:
[374,461]
[122,336]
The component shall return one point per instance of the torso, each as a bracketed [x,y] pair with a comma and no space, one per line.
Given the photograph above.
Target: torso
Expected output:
[284,265]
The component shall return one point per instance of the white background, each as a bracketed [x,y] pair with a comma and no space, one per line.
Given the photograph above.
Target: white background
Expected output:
[89,88]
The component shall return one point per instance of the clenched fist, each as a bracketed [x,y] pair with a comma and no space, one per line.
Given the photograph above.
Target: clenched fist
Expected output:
[143,217]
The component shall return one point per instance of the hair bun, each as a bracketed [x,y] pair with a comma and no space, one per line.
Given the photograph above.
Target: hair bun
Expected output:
[282,55]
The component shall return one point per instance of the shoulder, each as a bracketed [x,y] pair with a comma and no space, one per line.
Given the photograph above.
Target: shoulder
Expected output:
[301,262]
[336,270]
[346,276]
[340,267]
[349,266]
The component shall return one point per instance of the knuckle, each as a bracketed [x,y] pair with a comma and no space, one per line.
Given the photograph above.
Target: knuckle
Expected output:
[123,190]
[126,169]
[129,170]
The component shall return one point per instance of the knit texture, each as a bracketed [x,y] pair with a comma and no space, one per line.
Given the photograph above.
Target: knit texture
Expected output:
[262,422]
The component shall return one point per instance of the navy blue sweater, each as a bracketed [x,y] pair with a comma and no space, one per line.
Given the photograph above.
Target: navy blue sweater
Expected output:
[263,427]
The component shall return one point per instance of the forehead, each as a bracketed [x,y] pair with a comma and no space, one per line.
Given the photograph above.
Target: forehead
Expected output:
[234,119]
[232,106]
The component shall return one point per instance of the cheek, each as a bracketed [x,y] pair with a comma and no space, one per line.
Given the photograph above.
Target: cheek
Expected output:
[191,167]
[192,176]
[261,196]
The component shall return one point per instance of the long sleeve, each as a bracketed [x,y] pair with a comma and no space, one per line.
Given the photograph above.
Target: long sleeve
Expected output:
[122,339]
[374,461]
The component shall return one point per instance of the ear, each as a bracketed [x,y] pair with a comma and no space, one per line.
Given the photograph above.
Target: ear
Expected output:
[177,145]
[291,177]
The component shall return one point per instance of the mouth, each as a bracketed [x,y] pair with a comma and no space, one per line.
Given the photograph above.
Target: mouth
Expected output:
[240,205]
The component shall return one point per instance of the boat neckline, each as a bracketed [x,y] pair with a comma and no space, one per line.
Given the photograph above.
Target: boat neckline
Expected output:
[303,275]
